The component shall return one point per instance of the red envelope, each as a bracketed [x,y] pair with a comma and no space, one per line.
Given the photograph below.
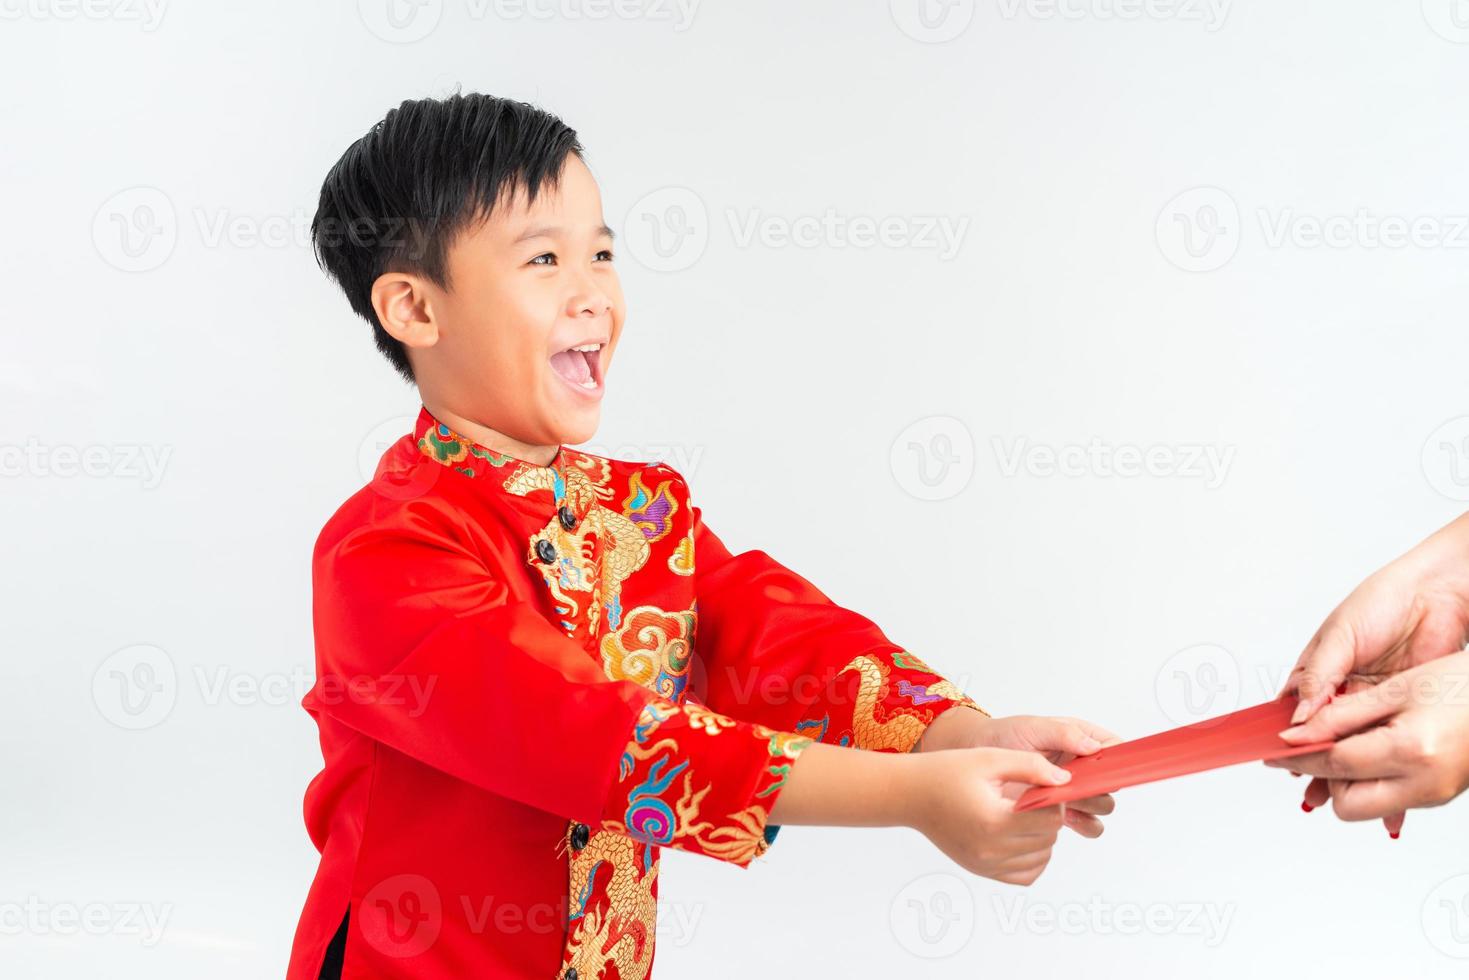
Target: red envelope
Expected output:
[1249,735]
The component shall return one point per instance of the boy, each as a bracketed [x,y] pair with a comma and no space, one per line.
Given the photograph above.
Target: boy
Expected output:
[535,666]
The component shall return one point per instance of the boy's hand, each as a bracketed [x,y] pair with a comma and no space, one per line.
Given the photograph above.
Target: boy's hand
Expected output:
[968,810]
[1058,739]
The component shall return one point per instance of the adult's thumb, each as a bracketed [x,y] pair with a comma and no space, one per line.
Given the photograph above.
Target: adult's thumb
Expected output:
[1352,713]
[1324,664]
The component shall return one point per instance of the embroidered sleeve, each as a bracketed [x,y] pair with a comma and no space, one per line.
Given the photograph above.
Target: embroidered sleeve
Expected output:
[774,649]
[422,648]
[694,779]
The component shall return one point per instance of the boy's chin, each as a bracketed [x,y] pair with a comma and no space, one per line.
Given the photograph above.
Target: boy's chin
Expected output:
[573,431]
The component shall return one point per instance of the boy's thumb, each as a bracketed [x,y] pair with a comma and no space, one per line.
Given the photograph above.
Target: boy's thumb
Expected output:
[1028,767]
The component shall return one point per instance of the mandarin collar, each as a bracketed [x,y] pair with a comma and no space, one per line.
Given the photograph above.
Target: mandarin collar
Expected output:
[495,470]
[466,456]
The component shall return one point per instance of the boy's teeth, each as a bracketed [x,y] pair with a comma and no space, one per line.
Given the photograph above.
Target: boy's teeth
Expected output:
[589,347]
[589,383]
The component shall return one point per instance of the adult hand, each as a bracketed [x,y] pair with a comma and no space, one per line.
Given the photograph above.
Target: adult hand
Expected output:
[1404,743]
[1411,612]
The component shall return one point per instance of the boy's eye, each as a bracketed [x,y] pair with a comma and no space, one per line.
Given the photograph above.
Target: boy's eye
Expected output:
[551,256]
[605,255]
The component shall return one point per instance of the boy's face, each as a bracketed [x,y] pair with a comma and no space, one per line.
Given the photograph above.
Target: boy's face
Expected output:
[528,285]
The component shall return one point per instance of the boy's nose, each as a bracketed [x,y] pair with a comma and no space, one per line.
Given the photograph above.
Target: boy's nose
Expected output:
[592,302]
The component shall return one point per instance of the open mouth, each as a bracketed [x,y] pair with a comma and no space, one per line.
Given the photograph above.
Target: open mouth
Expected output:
[580,366]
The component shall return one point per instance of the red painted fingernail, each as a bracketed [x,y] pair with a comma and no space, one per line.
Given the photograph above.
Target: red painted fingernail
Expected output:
[1306,806]
[1395,834]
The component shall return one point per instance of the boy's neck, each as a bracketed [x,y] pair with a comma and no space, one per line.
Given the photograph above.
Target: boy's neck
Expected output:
[492,439]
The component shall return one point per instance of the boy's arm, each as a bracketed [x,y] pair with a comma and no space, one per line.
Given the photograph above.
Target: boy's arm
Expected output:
[422,648]
[771,647]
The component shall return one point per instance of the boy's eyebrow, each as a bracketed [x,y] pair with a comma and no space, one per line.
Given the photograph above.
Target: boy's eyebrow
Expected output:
[549,231]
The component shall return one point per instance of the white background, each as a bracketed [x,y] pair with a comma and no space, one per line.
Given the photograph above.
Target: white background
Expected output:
[875,415]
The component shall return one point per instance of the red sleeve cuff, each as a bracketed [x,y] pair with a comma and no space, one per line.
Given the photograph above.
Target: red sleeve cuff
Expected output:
[694,779]
[893,697]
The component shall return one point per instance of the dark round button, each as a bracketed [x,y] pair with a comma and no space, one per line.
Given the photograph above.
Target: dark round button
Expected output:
[571,974]
[580,834]
[545,550]
[568,519]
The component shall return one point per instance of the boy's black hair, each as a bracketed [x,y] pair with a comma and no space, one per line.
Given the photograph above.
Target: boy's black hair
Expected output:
[431,168]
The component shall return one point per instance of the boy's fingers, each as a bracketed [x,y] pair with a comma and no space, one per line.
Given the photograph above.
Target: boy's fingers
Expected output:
[1103,735]
[1020,862]
[1061,736]
[1026,767]
[1045,822]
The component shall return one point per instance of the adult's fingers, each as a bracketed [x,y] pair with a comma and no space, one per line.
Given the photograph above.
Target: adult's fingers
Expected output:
[1083,823]
[1369,799]
[1370,755]
[1099,805]
[1318,791]
[1323,665]
[1351,713]
[1394,823]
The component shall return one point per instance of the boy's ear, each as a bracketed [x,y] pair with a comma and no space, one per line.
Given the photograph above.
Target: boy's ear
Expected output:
[401,301]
